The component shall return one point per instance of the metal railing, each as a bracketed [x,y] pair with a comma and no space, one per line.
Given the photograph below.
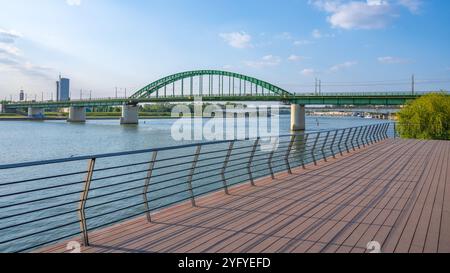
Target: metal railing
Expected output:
[48,201]
[373,94]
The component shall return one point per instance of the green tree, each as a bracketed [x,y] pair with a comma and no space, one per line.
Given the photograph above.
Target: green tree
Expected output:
[426,118]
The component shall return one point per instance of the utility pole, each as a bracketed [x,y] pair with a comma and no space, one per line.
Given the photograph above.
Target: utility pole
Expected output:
[413,84]
[90,95]
[315,88]
[81,94]
[320,87]
[116,92]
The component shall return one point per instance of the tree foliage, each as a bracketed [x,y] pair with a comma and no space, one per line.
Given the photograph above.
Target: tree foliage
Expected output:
[426,118]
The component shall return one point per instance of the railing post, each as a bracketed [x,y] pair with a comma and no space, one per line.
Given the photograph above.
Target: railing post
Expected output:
[347,139]
[225,164]
[272,153]
[323,147]
[358,137]
[304,148]
[288,153]
[374,133]
[384,133]
[364,136]
[147,183]
[192,172]
[314,147]
[375,137]
[250,160]
[395,130]
[377,131]
[332,144]
[385,130]
[353,139]
[83,199]
[381,133]
[340,142]
[369,135]
[386,136]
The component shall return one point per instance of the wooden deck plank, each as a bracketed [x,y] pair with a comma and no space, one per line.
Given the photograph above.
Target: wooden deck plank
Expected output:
[394,236]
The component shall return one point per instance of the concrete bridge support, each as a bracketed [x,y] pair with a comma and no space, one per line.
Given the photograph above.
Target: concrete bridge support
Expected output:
[36,113]
[77,114]
[298,117]
[130,114]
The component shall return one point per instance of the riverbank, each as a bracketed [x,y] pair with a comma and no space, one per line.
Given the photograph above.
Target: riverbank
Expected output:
[89,116]
[21,118]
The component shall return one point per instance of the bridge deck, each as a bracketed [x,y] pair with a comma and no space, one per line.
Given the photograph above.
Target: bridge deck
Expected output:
[396,192]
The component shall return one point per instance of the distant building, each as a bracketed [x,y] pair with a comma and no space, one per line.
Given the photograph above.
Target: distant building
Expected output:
[21,95]
[63,89]
[57,90]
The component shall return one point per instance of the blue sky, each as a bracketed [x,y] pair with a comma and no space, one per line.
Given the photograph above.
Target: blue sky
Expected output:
[101,44]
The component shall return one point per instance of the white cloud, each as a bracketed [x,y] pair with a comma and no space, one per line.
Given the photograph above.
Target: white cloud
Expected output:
[308,72]
[302,42]
[345,65]
[285,36]
[11,57]
[9,49]
[7,39]
[9,36]
[392,60]
[316,34]
[237,39]
[412,5]
[73,2]
[295,58]
[266,61]
[369,14]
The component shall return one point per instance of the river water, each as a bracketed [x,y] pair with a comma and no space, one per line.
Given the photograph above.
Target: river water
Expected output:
[26,221]
[33,141]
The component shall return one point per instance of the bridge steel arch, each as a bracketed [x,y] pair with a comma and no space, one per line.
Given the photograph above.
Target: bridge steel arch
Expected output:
[153,88]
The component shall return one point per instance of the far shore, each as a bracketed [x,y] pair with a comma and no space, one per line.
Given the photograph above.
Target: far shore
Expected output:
[13,118]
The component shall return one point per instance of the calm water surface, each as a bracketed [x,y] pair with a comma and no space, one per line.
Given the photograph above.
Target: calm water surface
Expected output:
[33,141]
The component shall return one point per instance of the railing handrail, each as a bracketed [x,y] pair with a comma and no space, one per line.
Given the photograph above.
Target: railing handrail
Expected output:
[161,149]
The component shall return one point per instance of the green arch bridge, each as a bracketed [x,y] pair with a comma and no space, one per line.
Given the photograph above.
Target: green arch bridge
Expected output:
[212,86]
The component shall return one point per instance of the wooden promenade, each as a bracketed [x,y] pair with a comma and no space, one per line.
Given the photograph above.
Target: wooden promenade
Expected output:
[396,192]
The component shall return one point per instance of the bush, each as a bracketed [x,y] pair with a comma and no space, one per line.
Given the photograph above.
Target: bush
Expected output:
[426,118]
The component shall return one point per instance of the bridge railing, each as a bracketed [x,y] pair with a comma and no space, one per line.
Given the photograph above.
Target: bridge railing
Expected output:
[374,94]
[45,202]
[225,95]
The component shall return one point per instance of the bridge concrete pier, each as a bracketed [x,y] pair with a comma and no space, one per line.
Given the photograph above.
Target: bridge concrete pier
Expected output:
[130,114]
[298,117]
[35,113]
[77,114]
